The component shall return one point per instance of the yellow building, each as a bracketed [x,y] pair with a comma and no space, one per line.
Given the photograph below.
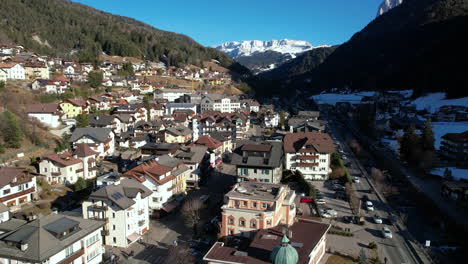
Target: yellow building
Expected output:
[71,108]
[179,134]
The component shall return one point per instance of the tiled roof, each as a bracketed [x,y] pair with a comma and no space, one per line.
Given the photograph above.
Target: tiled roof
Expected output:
[321,142]
[64,159]
[42,108]
[83,150]
[208,142]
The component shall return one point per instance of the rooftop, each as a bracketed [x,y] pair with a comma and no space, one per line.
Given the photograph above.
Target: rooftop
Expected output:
[256,190]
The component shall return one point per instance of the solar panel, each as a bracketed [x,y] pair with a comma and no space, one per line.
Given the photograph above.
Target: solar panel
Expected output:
[117,196]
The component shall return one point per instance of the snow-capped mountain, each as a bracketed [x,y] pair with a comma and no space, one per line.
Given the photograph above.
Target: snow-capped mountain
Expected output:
[387,5]
[249,47]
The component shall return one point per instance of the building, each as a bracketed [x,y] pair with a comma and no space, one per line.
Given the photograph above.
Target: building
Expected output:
[3,76]
[67,167]
[302,243]
[47,114]
[309,153]
[165,176]
[214,147]
[73,107]
[219,102]
[159,149]
[454,147]
[4,213]
[172,107]
[54,238]
[108,121]
[13,70]
[195,158]
[251,206]
[178,134]
[259,161]
[101,140]
[170,94]
[17,186]
[123,206]
[37,70]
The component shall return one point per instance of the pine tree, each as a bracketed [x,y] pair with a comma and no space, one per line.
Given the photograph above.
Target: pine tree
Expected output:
[409,144]
[80,184]
[427,137]
[82,120]
[95,79]
[12,134]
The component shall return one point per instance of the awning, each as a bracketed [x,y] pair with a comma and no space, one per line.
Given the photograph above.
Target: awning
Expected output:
[133,237]
[168,207]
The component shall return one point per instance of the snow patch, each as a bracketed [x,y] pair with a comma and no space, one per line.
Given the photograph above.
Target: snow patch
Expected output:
[333,98]
[432,102]
[442,128]
[456,172]
[386,5]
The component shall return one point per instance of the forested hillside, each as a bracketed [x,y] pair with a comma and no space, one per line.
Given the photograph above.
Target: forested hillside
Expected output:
[64,28]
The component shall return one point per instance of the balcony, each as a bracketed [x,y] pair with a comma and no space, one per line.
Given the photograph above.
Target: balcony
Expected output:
[100,218]
[105,232]
[140,212]
[141,222]
[73,257]
[58,173]
[96,207]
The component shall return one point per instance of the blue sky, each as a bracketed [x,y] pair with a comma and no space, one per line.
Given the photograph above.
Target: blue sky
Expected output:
[211,22]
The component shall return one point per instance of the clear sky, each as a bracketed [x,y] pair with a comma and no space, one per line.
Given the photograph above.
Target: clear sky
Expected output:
[212,22]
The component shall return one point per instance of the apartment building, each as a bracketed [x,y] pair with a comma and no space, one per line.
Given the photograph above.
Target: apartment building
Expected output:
[196,159]
[17,186]
[123,206]
[47,114]
[165,176]
[13,70]
[251,206]
[454,147]
[219,102]
[171,95]
[54,238]
[309,153]
[100,140]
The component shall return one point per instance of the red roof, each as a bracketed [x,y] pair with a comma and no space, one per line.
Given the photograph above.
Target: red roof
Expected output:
[152,169]
[83,150]
[65,159]
[208,142]
[319,142]
[42,108]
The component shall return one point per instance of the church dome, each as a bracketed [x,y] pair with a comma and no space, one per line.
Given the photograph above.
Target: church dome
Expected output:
[284,253]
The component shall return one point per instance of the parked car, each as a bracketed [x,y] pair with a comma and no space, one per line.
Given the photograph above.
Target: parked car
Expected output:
[332,212]
[327,215]
[356,179]
[359,220]
[306,199]
[204,198]
[338,187]
[369,206]
[347,219]
[320,201]
[386,232]
[377,219]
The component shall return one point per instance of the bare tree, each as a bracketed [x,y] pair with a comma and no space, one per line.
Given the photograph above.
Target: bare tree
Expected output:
[337,173]
[355,147]
[191,210]
[179,255]
[352,197]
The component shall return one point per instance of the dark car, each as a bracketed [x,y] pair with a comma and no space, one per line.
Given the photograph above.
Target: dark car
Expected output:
[347,219]
[365,198]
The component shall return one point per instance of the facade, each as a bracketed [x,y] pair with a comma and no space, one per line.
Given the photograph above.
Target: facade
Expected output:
[454,147]
[17,186]
[221,103]
[100,140]
[172,107]
[108,121]
[170,94]
[259,161]
[47,114]
[3,76]
[71,107]
[179,134]
[304,242]
[13,70]
[37,70]
[67,167]
[123,206]
[166,177]
[252,206]
[195,158]
[51,239]
[310,153]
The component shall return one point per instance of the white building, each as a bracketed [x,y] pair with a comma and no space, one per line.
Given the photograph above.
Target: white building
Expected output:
[17,186]
[170,94]
[124,206]
[218,102]
[171,107]
[165,176]
[47,114]
[3,76]
[51,239]
[101,140]
[13,70]
[67,167]
[310,153]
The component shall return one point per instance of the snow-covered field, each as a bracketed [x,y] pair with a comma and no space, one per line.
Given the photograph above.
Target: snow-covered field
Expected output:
[333,98]
[432,102]
[442,128]
[392,144]
[456,173]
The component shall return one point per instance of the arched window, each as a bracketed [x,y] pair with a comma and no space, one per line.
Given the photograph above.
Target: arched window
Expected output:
[231,220]
[253,223]
[241,221]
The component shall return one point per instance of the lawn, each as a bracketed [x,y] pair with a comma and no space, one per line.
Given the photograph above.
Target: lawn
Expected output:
[334,259]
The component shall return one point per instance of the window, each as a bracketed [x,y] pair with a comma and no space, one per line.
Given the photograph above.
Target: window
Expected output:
[268,222]
[93,239]
[113,215]
[253,223]
[231,232]
[114,239]
[241,222]
[264,205]
[6,191]
[68,251]
[254,204]
[244,203]
[113,227]
[236,203]
[231,220]
[255,170]
[93,254]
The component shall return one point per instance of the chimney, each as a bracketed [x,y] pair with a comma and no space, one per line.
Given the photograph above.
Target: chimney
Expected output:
[24,246]
[290,234]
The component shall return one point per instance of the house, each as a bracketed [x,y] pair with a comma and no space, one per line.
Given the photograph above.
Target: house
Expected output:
[250,105]
[259,161]
[215,148]
[221,103]
[127,122]
[456,190]
[178,134]
[17,186]
[4,213]
[47,114]
[309,153]
[108,121]
[13,70]
[130,139]
[159,149]
[3,76]
[73,107]
[139,112]
[124,206]
[194,157]
[304,242]
[36,69]
[271,119]
[454,147]
[170,94]
[66,168]
[54,238]
[99,103]
[101,140]
[250,206]
[166,177]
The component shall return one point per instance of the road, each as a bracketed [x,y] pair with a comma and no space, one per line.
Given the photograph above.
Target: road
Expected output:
[396,250]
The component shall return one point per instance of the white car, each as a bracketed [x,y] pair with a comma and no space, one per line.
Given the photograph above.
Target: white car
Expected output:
[327,215]
[386,232]
[331,212]
[377,219]
[369,206]
[320,201]
[356,179]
